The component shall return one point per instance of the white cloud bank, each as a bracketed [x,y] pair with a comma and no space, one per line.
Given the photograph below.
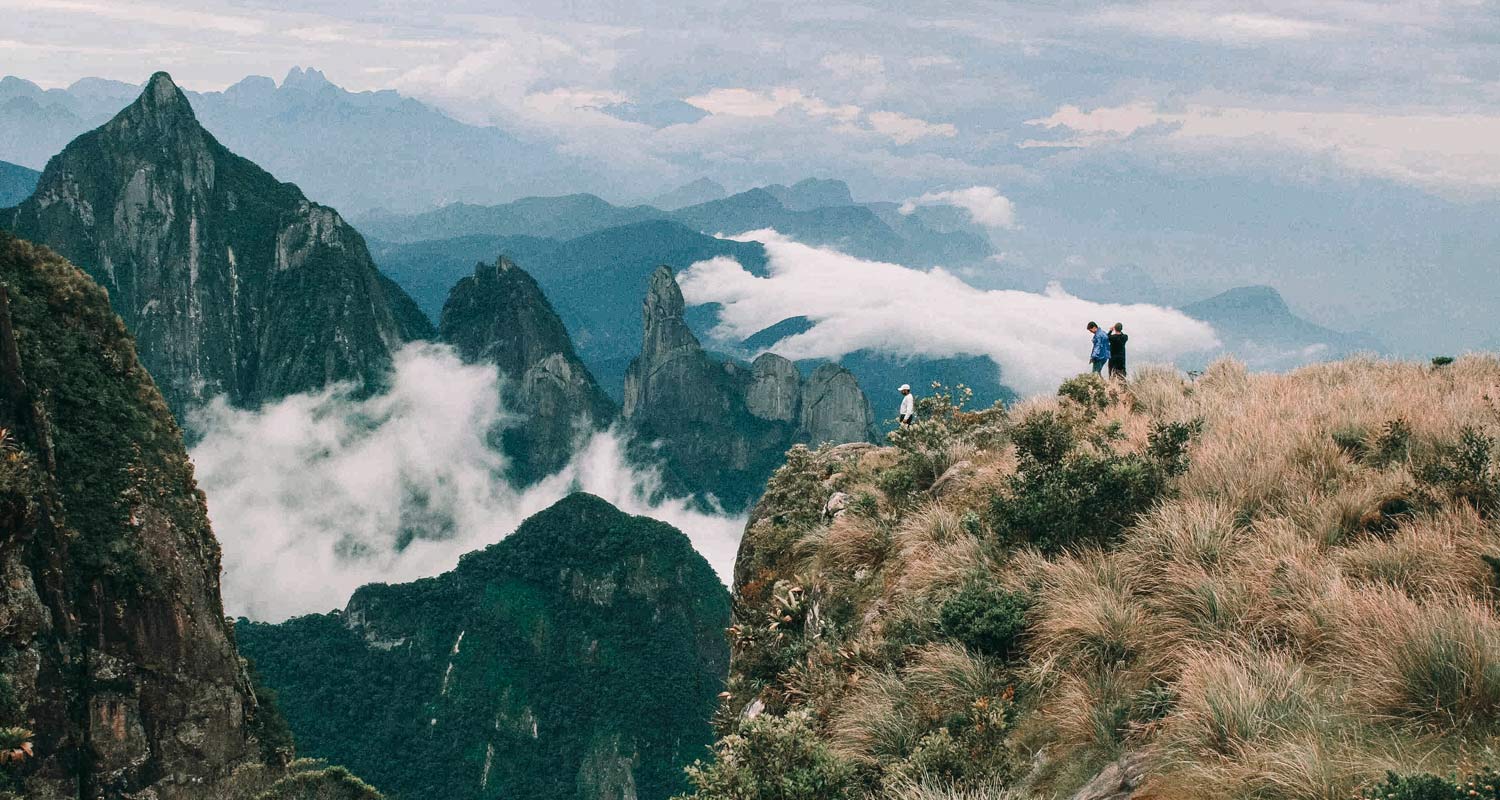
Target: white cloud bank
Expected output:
[1437,151]
[984,204]
[313,496]
[846,117]
[1036,339]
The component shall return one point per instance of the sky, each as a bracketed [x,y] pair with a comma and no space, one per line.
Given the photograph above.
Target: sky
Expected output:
[1347,152]
[982,93]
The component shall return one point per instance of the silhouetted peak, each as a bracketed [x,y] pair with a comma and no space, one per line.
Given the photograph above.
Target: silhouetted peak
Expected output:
[308,79]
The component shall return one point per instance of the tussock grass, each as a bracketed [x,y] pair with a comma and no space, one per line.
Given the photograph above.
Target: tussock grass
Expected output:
[1303,608]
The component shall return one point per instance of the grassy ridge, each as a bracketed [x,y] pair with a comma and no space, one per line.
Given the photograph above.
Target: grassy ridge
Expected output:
[1269,586]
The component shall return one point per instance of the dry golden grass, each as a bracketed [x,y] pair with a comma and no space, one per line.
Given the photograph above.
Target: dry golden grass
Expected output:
[1305,608]
[1294,619]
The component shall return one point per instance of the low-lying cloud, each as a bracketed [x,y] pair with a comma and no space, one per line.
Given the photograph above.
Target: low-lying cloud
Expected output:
[1036,339]
[321,493]
[984,205]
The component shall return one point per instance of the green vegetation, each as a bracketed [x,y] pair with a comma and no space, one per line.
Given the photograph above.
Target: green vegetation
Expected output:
[773,758]
[582,653]
[1243,586]
[114,443]
[303,779]
[1479,786]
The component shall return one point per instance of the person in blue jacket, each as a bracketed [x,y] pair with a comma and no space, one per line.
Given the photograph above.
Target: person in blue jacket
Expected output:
[1099,356]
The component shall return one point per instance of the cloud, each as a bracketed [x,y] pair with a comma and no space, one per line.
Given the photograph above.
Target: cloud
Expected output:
[1036,339]
[894,125]
[735,102]
[1204,23]
[320,493]
[145,13]
[1435,151]
[934,61]
[984,204]
[904,129]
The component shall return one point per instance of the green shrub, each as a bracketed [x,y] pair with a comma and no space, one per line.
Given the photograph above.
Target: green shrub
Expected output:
[330,783]
[773,758]
[1061,496]
[986,618]
[1088,391]
[1442,361]
[1392,444]
[1087,499]
[1168,444]
[1353,440]
[1043,438]
[795,490]
[1465,470]
[1425,786]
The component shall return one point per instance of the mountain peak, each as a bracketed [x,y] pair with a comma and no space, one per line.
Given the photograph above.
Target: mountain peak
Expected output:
[161,107]
[664,299]
[162,91]
[307,79]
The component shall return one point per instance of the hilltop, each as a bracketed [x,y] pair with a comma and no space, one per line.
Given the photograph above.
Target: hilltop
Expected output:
[1267,586]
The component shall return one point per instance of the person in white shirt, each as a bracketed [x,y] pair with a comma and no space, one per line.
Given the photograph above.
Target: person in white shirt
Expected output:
[908,413]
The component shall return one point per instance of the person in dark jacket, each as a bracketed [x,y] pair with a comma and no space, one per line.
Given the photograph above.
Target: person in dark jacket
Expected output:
[1099,352]
[1117,339]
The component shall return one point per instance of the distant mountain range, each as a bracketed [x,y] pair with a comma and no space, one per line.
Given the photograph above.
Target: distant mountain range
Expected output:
[353,150]
[16,183]
[815,212]
[1257,326]
[690,194]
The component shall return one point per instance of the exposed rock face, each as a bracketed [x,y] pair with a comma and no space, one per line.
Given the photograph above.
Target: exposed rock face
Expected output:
[580,657]
[775,388]
[232,282]
[834,409]
[113,643]
[500,316]
[723,428]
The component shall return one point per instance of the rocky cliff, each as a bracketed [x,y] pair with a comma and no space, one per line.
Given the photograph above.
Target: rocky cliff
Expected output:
[114,651]
[723,427]
[499,316]
[578,658]
[232,282]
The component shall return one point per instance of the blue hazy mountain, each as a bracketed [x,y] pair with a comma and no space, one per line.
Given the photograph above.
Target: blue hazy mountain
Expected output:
[16,183]
[563,217]
[815,212]
[1255,324]
[810,193]
[595,281]
[702,190]
[660,114]
[354,150]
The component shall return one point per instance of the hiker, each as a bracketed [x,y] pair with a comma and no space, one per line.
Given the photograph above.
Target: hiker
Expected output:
[1099,355]
[1117,339]
[908,413]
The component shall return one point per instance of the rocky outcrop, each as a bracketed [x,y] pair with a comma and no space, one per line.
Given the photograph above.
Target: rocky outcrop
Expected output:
[722,427]
[834,409]
[775,388]
[114,650]
[232,282]
[580,657]
[499,316]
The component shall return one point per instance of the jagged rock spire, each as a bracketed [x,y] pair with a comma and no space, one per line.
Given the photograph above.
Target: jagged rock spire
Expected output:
[500,316]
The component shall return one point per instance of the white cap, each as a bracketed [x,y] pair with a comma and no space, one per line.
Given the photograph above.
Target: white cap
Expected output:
[905,387]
